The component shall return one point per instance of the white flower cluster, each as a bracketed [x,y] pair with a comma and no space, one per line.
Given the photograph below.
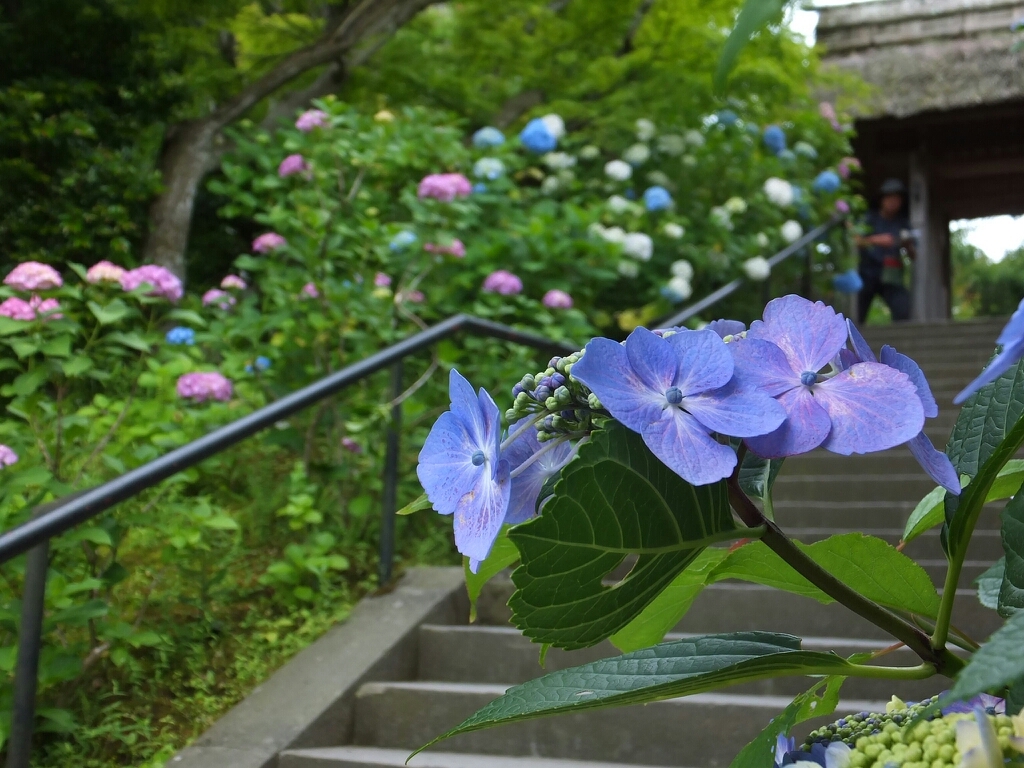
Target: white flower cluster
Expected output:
[791,231]
[779,192]
[679,287]
[757,268]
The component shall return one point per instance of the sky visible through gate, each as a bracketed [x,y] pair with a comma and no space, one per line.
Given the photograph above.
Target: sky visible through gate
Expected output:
[995,235]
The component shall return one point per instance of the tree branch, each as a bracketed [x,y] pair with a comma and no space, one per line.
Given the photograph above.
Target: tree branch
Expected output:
[638,19]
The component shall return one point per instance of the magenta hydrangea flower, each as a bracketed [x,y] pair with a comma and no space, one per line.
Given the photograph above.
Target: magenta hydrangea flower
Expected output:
[381,280]
[46,308]
[104,272]
[842,206]
[162,282]
[865,408]
[201,387]
[312,118]
[444,186]
[267,242]
[309,290]
[677,392]
[456,248]
[7,456]
[33,276]
[234,281]
[462,472]
[503,282]
[291,165]
[17,309]
[218,298]
[556,299]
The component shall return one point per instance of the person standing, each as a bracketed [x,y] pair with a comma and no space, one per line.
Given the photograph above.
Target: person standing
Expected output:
[881,259]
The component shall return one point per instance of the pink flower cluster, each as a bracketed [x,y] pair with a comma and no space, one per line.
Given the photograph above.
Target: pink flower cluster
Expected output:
[842,206]
[414,297]
[827,111]
[503,282]
[233,281]
[556,299]
[7,456]
[204,386]
[351,445]
[445,186]
[19,309]
[33,276]
[291,165]
[847,166]
[310,119]
[161,281]
[381,280]
[309,290]
[267,242]
[219,298]
[456,249]
[104,272]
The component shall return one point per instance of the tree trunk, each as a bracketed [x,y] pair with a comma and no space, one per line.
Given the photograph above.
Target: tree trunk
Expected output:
[190,151]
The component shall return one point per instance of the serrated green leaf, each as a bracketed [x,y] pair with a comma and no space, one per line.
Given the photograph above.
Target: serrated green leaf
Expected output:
[1011,590]
[998,663]
[76,365]
[417,505]
[187,316]
[615,499]
[754,15]
[111,313]
[221,523]
[669,670]
[24,348]
[29,382]
[502,555]
[57,347]
[989,584]
[757,478]
[9,327]
[130,340]
[668,608]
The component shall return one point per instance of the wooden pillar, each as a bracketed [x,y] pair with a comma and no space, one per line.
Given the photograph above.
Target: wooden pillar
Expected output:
[930,291]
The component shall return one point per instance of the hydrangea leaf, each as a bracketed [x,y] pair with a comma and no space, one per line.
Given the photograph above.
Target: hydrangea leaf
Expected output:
[1011,589]
[998,663]
[503,554]
[616,499]
[679,668]
[821,699]
[989,584]
[757,478]
[754,15]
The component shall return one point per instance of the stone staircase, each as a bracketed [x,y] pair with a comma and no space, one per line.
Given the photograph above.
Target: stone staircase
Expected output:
[461,667]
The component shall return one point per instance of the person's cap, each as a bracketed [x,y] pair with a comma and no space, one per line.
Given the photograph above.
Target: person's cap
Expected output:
[892,187]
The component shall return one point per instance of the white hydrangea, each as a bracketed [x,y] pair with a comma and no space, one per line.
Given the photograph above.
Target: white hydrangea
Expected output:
[695,138]
[762,240]
[629,268]
[558,161]
[610,234]
[791,231]
[673,230]
[619,170]
[779,191]
[805,149]
[735,205]
[638,246]
[555,125]
[550,184]
[590,152]
[638,154]
[645,129]
[672,144]
[721,216]
[680,287]
[683,269]
[659,179]
[566,176]
[757,268]
[618,204]
[689,161]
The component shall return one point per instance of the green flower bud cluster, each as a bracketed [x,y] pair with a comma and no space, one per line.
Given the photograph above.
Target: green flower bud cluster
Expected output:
[849,729]
[566,404]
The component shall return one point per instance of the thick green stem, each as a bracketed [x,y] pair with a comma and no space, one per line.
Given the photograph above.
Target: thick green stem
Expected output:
[784,547]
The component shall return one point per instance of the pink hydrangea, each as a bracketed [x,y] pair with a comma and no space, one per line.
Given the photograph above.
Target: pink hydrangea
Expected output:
[556,299]
[45,307]
[351,445]
[503,282]
[291,165]
[7,456]
[17,309]
[456,249]
[204,386]
[842,206]
[33,276]
[267,242]
[104,272]
[309,290]
[415,297]
[847,166]
[381,280]
[233,281]
[310,119]
[445,186]
[219,298]
[164,283]
[827,111]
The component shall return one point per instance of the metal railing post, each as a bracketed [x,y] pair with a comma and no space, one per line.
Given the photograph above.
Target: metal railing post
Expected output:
[26,671]
[389,497]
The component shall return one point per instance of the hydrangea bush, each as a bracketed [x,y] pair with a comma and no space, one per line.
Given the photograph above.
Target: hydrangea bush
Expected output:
[663,450]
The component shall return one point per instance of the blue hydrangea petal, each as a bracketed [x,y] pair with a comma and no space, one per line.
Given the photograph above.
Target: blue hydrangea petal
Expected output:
[445,468]
[480,514]
[783,746]
[652,359]
[685,447]
[726,327]
[1000,364]
[872,407]
[763,367]
[935,463]
[837,755]
[703,361]
[605,369]
[735,412]
[807,425]
[901,362]
[526,487]
[491,438]
[811,334]
[846,359]
[466,406]
[860,345]
[1013,331]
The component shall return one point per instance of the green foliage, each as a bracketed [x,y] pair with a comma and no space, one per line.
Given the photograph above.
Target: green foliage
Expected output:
[503,554]
[1011,589]
[982,287]
[996,665]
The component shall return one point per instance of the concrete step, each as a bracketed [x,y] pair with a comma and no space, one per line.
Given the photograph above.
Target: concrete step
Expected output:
[477,654]
[859,487]
[713,726]
[375,757]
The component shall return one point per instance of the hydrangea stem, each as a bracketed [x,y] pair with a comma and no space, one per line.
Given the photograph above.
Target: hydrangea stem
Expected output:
[784,547]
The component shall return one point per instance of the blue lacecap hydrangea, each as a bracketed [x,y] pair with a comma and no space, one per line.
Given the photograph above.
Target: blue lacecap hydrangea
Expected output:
[537,138]
[774,138]
[181,335]
[657,198]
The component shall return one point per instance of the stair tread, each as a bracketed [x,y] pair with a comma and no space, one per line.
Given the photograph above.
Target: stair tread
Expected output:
[397,757]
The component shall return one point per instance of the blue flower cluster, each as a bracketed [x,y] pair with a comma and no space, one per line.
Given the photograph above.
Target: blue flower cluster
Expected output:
[260,364]
[487,138]
[775,139]
[657,199]
[181,335]
[537,138]
[402,240]
[827,182]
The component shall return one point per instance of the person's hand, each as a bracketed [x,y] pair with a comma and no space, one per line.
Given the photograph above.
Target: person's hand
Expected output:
[883,239]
